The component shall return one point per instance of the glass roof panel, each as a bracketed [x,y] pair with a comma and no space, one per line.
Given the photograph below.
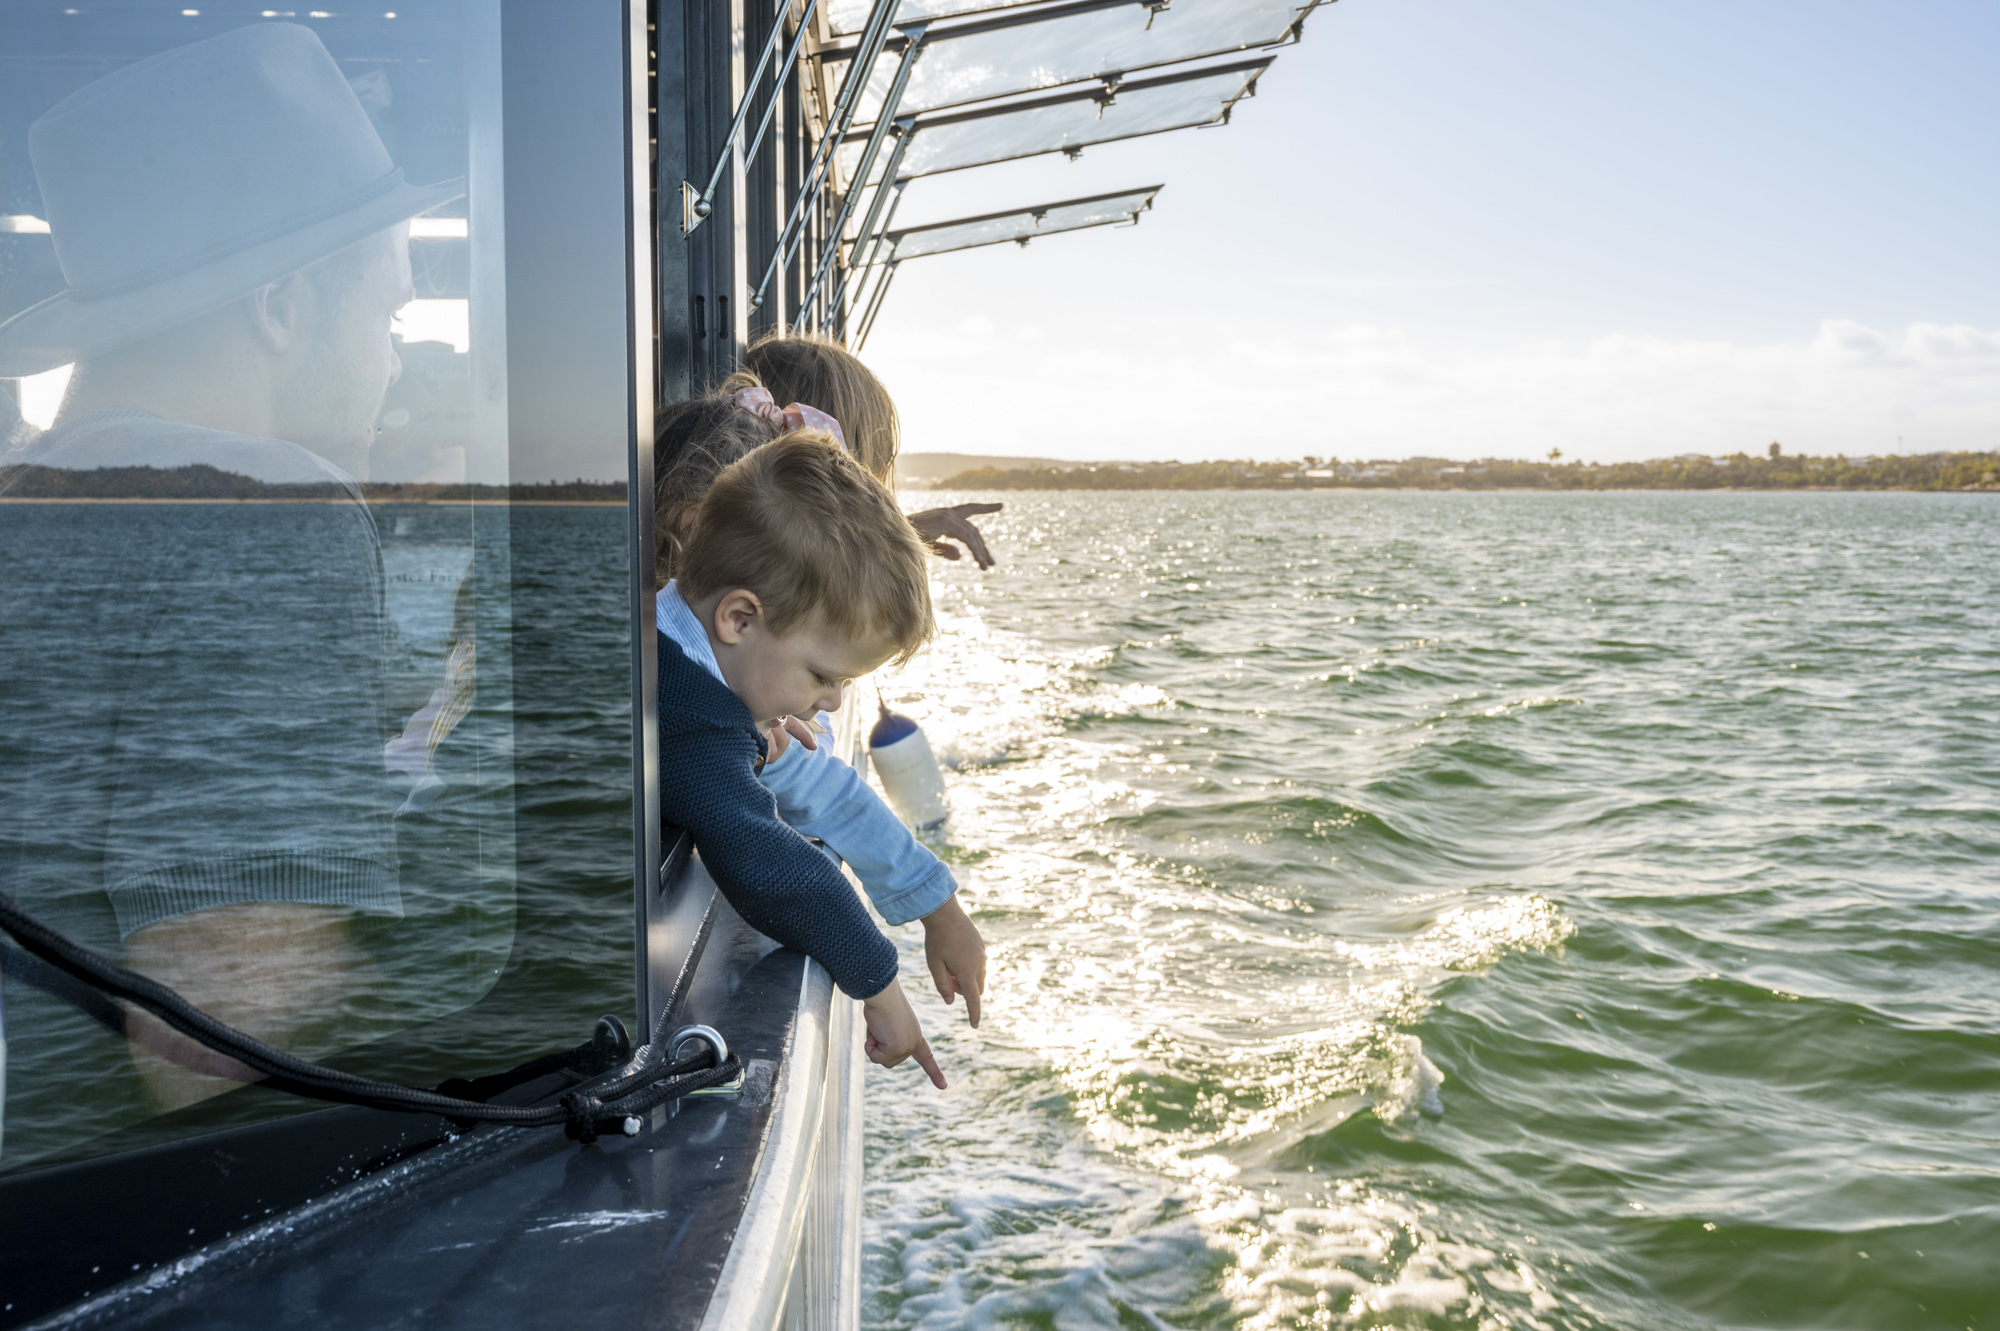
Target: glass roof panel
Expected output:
[851,16]
[1021,224]
[1002,61]
[1064,121]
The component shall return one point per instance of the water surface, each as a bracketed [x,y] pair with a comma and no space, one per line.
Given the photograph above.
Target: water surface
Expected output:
[1458,910]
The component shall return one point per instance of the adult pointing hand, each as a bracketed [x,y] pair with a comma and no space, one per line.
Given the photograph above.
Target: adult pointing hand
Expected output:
[937,525]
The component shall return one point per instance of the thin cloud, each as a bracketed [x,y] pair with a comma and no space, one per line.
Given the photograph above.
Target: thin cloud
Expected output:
[1366,390]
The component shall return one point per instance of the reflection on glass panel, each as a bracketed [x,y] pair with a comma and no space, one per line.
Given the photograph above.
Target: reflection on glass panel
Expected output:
[851,16]
[1021,224]
[1068,122]
[1001,61]
[256,706]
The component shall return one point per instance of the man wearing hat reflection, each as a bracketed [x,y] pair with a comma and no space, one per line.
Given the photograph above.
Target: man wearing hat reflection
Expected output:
[233,236]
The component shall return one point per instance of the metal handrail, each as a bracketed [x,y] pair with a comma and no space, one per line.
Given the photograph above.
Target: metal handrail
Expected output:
[751,1290]
[778,84]
[694,214]
[884,122]
[862,238]
[875,242]
[875,303]
[844,104]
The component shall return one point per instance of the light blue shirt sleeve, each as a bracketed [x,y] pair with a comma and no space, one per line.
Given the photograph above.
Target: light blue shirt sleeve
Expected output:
[823,797]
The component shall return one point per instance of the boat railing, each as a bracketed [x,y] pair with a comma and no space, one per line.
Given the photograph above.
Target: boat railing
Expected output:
[795,1262]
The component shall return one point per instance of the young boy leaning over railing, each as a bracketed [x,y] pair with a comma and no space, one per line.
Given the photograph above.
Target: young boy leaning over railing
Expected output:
[798,574]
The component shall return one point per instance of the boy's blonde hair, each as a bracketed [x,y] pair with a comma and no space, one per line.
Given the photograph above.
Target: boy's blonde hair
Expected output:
[799,523]
[818,371]
[695,440]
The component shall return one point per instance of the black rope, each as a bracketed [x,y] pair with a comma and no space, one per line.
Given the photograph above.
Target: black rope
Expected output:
[613,1106]
[586,1060]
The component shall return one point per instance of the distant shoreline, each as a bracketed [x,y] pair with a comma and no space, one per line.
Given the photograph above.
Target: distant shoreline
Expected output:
[1479,489]
[1318,489]
[1774,471]
[200,483]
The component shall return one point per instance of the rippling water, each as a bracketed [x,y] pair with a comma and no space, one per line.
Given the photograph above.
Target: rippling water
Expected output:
[1462,911]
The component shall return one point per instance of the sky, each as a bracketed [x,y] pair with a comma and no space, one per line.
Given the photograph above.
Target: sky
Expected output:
[1464,229]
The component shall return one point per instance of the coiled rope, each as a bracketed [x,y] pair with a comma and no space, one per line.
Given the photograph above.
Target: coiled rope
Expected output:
[654,1076]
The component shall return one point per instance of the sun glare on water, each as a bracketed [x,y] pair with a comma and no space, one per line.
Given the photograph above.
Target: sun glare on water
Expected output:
[1157,1050]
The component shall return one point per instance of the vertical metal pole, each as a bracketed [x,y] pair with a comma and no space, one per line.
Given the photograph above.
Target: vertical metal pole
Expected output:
[677,280]
[698,58]
[711,57]
[642,340]
[732,318]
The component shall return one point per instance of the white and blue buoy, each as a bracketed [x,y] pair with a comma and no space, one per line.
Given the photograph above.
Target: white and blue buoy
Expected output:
[909,770]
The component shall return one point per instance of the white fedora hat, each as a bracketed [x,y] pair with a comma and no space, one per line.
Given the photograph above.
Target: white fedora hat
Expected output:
[179,183]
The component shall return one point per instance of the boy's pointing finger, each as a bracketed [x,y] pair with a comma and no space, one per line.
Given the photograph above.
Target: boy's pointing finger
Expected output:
[971,992]
[928,1062]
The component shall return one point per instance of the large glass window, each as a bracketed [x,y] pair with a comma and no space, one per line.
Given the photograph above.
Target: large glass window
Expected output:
[314,686]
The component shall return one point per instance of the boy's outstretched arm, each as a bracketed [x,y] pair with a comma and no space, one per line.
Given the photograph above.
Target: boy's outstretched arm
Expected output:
[956,955]
[894,1033]
[775,879]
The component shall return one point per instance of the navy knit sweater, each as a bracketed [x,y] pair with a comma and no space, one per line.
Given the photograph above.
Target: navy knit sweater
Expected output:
[777,880]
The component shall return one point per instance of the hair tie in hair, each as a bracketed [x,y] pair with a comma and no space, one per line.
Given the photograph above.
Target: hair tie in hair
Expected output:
[797,416]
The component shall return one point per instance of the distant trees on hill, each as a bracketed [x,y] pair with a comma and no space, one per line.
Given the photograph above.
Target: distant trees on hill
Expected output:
[1773,470]
[197,482]
[205,482]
